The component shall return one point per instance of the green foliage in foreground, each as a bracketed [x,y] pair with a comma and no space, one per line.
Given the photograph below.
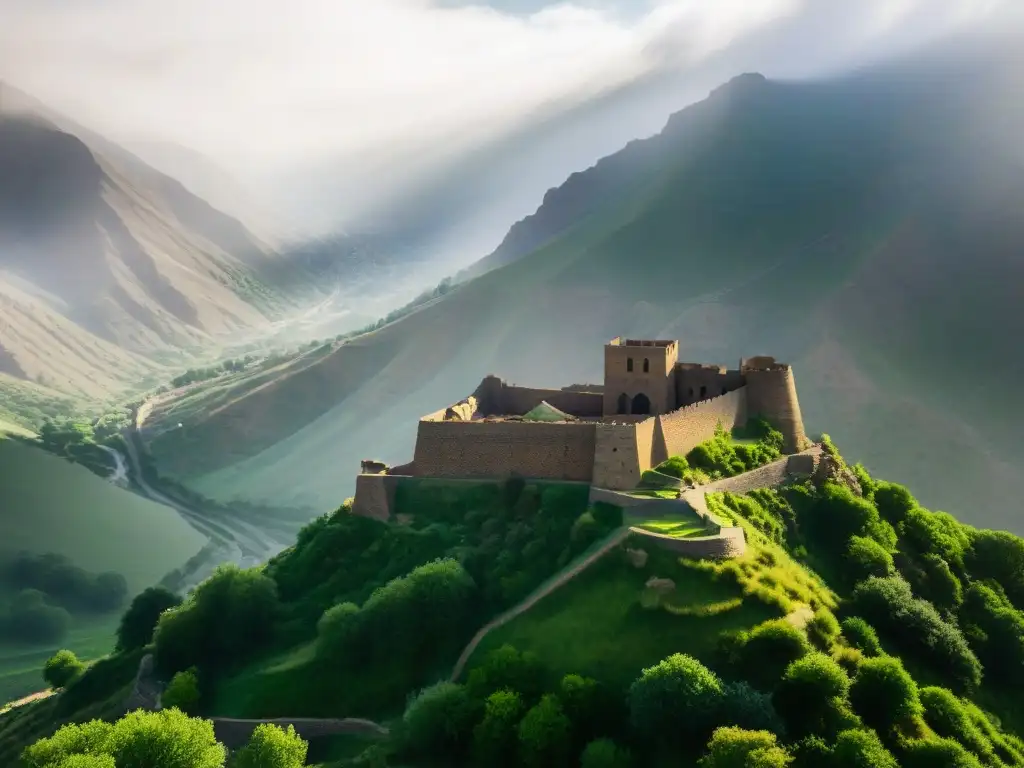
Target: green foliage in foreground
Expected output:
[165,739]
[62,668]
[722,456]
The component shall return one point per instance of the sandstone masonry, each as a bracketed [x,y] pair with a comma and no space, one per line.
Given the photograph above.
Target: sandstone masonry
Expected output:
[650,407]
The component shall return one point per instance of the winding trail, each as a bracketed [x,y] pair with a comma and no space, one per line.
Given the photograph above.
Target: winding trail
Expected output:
[566,575]
[120,474]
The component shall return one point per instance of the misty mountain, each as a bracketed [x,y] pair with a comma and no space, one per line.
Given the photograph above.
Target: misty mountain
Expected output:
[108,266]
[863,228]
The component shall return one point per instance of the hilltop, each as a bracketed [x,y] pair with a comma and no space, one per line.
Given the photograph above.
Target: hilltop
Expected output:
[861,228]
[597,643]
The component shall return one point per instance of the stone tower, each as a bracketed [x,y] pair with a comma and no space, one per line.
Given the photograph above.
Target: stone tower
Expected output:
[639,376]
[771,394]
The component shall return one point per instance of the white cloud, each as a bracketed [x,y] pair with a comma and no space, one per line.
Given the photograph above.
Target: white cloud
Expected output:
[265,83]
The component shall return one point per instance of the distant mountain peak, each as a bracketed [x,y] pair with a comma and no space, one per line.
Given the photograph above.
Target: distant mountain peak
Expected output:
[748,82]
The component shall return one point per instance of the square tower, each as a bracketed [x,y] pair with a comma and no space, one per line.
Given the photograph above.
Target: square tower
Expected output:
[639,376]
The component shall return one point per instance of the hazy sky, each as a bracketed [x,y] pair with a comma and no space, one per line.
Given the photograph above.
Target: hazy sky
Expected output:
[268,83]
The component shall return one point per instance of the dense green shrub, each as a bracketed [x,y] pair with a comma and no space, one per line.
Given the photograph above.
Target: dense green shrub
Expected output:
[866,557]
[884,694]
[949,718]
[767,650]
[996,630]
[998,555]
[916,627]
[495,738]
[893,501]
[228,617]
[182,692]
[823,629]
[858,748]
[744,706]
[838,514]
[30,619]
[861,636]
[676,699]
[937,753]
[506,668]
[732,747]
[165,739]
[139,621]
[810,696]
[721,457]
[545,734]
[61,668]
[605,753]
[936,533]
[438,722]
[271,746]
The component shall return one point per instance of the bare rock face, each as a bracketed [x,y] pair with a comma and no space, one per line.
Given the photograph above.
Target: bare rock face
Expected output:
[829,469]
[637,557]
[462,410]
[661,586]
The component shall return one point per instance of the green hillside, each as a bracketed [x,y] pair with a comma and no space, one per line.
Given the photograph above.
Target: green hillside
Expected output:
[48,505]
[862,229]
[859,629]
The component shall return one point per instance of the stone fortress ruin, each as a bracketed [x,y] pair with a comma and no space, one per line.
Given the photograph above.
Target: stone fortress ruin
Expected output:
[650,407]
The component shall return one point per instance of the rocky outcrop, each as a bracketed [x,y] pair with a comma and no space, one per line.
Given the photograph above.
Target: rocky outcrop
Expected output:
[831,470]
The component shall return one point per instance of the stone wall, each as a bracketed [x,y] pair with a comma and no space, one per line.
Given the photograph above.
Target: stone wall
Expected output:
[695,382]
[691,425]
[617,458]
[498,449]
[771,394]
[768,476]
[730,542]
[375,496]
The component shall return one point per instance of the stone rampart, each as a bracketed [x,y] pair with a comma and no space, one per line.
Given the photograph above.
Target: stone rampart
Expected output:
[728,543]
[563,451]
[768,476]
[617,457]
[520,400]
[771,394]
[684,429]
[375,496]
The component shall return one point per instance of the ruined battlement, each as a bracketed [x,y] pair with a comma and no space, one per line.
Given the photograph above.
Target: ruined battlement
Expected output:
[651,406]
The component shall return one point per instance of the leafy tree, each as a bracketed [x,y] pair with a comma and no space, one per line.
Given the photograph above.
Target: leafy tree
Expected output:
[339,633]
[736,748]
[937,753]
[839,514]
[768,651]
[182,691]
[438,720]
[678,696]
[165,739]
[271,746]
[227,617]
[937,533]
[545,734]
[495,737]
[139,621]
[940,585]
[866,557]
[861,636]
[884,694]
[62,668]
[811,694]
[811,752]
[997,629]
[86,761]
[857,748]
[605,753]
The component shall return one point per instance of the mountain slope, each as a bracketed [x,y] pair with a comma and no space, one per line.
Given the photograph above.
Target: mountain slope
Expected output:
[100,252]
[860,228]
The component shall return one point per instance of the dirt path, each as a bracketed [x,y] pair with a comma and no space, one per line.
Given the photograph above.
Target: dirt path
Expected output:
[571,572]
[37,696]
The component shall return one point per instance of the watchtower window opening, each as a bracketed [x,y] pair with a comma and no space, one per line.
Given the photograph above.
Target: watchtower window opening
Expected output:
[691,392]
[703,392]
[641,404]
[647,365]
[623,403]
[629,364]
[724,391]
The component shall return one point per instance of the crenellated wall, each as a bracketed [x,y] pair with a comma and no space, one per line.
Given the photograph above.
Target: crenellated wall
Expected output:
[563,451]
[496,398]
[682,430]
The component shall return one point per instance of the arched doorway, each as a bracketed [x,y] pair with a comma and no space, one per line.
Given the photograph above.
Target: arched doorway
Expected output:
[641,404]
[623,403]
